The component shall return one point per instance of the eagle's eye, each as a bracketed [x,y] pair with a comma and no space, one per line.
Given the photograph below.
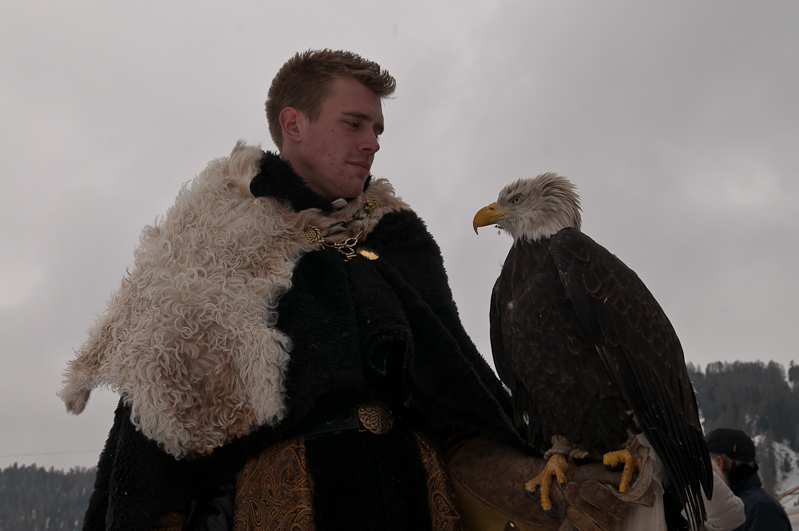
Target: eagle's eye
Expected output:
[516,199]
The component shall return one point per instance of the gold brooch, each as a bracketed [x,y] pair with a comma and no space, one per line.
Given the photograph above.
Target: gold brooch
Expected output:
[313,234]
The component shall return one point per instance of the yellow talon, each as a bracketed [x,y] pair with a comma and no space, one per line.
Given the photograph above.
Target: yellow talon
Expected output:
[631,465]
[556,466]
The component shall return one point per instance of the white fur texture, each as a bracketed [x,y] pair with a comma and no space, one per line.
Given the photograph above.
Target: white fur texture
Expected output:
[548,203]
[188,339]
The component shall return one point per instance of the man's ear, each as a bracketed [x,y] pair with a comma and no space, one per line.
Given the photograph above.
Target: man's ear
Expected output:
[291,124]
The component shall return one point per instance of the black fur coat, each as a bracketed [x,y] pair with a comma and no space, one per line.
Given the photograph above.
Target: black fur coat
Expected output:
[360,329]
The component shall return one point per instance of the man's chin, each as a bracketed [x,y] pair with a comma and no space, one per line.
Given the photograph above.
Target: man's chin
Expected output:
[354,187]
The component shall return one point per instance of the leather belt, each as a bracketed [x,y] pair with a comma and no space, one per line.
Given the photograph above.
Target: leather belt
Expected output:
[373,416]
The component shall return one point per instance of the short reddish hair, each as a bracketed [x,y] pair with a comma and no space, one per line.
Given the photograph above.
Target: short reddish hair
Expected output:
[304,81]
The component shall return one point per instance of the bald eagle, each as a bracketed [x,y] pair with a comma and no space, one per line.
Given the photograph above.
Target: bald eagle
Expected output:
[587,352]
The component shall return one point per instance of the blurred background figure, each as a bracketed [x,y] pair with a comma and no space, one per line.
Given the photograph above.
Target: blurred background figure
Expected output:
[733,455]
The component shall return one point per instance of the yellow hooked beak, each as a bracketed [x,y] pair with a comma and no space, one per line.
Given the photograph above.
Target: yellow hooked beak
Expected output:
[488,216]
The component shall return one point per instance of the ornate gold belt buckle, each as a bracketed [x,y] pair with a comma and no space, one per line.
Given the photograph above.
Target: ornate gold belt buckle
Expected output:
[376,417]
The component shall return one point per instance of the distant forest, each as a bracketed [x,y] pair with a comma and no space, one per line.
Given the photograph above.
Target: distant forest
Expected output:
[750,396]
[35,499]
[753,396]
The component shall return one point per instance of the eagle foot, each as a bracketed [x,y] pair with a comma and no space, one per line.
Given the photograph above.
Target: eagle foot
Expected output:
[631,465]
[556,466]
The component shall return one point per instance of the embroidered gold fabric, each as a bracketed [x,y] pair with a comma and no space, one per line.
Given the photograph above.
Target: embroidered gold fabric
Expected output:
[274,491]
[172,521]
[443,511]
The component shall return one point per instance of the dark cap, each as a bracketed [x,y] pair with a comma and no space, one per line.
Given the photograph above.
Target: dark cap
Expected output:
[732,443]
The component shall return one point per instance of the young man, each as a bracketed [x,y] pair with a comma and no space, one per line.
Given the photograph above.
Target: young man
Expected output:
[733,455]
[282,364]
[287,347]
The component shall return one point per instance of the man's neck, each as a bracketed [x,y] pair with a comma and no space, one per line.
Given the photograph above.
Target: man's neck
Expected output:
[277,178]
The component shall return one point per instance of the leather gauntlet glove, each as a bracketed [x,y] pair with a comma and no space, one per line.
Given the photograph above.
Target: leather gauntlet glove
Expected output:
[489,479]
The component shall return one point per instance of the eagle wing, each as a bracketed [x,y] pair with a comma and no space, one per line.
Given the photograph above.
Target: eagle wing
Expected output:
[642,353]
[537,341]
[501,362]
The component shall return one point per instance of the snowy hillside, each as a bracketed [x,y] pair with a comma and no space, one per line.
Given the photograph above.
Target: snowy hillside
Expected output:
[786,466]
[787,463]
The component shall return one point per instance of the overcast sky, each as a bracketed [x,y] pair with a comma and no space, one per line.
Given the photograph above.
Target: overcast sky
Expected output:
[678,121]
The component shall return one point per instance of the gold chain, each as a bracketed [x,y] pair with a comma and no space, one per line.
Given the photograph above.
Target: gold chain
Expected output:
[347,247]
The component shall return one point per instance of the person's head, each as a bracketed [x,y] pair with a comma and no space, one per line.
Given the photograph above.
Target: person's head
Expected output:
[325,115]
[732,453]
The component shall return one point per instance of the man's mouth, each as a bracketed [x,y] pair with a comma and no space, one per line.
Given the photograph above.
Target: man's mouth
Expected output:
[361,164]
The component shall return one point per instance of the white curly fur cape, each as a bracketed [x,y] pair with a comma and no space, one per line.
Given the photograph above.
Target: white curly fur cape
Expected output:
[188,339]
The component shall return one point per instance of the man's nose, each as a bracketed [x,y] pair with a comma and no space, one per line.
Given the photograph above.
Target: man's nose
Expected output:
[370,143]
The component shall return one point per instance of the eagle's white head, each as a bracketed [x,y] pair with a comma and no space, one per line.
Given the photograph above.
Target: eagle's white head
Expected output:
[533,208]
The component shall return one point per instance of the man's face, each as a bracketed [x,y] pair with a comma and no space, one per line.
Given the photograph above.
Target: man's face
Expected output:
[717,462]
[335,151]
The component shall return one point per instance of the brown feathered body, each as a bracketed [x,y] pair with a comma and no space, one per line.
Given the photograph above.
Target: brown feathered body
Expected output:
[586,350]
[546,354]
[564,388]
